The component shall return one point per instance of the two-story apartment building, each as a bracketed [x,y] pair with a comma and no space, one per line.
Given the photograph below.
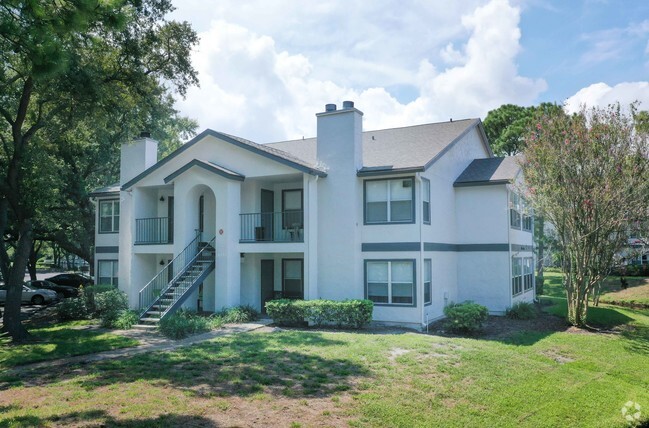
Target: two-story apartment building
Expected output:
[411,218]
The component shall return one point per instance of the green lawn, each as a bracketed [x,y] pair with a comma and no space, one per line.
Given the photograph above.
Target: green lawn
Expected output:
[58,341]
[296,378]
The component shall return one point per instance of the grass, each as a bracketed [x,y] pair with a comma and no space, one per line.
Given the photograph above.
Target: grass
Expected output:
[308,378]
[636,295]
[60,341]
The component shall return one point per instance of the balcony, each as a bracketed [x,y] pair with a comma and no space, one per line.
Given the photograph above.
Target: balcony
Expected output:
[154,231]
[287,226]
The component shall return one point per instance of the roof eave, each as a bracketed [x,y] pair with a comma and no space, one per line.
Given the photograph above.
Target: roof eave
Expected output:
[481,183]
[391,171]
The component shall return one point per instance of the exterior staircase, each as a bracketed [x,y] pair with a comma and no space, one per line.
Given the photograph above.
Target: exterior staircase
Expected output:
[188,270]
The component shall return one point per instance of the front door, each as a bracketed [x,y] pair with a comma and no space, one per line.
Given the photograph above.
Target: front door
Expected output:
[267,208]
[267,282]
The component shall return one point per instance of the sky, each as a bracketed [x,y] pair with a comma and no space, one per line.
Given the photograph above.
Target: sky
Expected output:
[266,67]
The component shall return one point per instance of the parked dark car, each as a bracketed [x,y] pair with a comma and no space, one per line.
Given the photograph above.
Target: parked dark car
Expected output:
[61,290]
[71,279]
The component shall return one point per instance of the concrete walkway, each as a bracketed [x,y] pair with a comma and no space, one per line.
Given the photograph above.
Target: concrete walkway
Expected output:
[149,341]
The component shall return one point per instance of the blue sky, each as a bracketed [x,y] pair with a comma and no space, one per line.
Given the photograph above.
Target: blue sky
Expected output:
[266,67]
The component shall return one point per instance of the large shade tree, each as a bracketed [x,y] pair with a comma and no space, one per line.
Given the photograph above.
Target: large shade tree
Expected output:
[588,173]
[64,64]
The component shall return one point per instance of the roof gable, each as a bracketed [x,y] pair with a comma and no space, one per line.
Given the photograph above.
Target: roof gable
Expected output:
[208,166]
[267,152]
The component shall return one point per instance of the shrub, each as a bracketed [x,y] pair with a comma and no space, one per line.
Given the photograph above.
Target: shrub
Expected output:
[238,314]
[522,311]
[287,312]
[343,314]
[109,305]
[73,308]
[182,324]
[126,319]
[89,293]
[465,317]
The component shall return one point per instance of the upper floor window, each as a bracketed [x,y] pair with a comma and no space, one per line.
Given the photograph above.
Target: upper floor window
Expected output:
[389,201]
[292,209]
[515,211]
[109,216]
[425,197]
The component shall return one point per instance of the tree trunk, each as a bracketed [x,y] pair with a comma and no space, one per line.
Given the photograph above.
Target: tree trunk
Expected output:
[577,298]
[540,239]
[11,320]
[33,259]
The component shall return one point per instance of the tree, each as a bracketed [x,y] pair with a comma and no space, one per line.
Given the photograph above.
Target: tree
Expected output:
[63,64]
[506,126]
[589,175]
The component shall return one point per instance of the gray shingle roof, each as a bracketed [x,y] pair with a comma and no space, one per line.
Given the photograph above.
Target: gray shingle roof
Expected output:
[111,190]
[489,171]
[412,147]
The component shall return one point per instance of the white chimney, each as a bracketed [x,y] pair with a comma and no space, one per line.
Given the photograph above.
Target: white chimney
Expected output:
[137,156]
[340,196]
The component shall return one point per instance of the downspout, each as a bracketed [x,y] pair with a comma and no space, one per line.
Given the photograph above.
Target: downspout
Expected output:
[509,244]
[421,252]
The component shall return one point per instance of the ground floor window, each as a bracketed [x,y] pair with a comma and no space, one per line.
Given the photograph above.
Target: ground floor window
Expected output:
[428,281]
[390,282]
[517,275]
[107,272]
[293,278]
[528,273]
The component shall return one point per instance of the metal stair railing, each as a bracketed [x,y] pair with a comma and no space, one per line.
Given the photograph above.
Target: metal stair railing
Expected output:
[153,289]
[177,291]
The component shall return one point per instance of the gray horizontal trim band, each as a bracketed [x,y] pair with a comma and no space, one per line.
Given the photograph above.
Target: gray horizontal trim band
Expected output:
[517,247]
[375,171]
[432,246]
[437,246]
[104,250]
[103,194]
[390,246]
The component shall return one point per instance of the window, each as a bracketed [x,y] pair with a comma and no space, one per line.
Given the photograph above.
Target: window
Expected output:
[527,216]
[425,185]
[109,216]
[517,275]
[292,278]
[389,201]
[107,272]
[528,273]
[292,212]
[515,211]
[390,282]
[201,213]
[428,281]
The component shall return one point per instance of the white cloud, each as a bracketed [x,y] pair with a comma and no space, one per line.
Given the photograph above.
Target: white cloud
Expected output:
[601,95]
[265,75]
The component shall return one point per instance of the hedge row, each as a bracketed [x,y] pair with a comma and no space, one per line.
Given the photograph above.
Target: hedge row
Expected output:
[341,314]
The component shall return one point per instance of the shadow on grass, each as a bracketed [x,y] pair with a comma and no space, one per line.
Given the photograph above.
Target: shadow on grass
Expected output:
[102,418]
[292,364]
[53,343]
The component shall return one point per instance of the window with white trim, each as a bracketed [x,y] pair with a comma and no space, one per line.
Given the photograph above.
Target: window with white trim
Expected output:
[528,273]
[517,275]
[515,210]
[390,282]
[108,272]
[109,216]
[389,201]
[527,218]
[428,281]
[425,198]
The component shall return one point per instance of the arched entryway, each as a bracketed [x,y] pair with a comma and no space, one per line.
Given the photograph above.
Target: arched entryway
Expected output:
[200,215]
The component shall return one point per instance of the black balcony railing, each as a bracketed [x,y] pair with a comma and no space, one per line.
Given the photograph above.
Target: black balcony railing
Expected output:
[153,231]
[287,226]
